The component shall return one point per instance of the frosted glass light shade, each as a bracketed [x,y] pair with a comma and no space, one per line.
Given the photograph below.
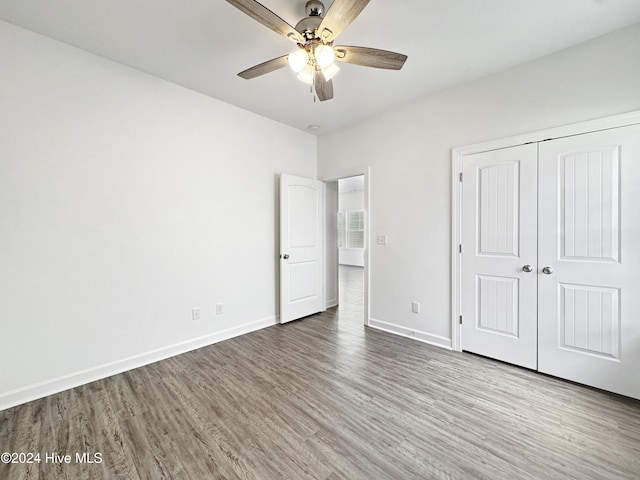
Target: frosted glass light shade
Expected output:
[306,74]
[324,55]
[330,71]
[298,59]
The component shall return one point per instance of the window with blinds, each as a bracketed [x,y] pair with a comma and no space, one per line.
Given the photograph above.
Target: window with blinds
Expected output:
[355,229]
[350,229]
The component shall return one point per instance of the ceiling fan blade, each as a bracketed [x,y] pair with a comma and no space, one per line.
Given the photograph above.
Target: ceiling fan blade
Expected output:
[324,88]
[370,57]
[339,16]
[262,14]
[266,67]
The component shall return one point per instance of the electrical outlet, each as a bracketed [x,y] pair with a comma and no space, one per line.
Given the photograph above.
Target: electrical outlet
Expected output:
[195,313]
[415,307]
[219,308]
[382,239]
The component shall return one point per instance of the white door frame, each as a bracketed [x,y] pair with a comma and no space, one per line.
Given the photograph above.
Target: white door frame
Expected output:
[367,236]
[457,155]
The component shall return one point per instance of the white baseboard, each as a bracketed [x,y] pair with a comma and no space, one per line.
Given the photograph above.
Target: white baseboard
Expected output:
[425,337]
[331,303]
[65,382]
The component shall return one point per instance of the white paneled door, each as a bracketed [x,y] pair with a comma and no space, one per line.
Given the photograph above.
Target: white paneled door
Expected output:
[301,259]
[589,257]
[551,261]
[499,303]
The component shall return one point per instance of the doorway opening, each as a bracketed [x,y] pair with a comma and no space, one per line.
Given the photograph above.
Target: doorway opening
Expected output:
[348,212]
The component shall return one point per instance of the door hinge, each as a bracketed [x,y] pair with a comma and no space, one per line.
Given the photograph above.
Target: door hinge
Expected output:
[461,176]
[460,249]
[460,319]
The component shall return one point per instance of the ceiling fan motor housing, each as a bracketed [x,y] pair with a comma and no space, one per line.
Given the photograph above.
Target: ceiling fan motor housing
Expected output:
[314,8]
[308,26]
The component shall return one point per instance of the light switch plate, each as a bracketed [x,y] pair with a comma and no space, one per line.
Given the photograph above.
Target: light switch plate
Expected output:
[382,239]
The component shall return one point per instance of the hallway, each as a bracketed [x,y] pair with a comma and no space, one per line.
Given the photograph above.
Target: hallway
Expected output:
[351,294]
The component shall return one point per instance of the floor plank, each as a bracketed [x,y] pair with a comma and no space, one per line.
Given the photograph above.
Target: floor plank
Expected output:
[325,398]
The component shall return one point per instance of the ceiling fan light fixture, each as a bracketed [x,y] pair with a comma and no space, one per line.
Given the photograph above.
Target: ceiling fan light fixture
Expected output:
[298,60]
[306,74]
[324,55]
[314,35]
[330,71]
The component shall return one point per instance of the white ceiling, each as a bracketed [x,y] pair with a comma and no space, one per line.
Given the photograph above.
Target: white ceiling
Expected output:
[203,44]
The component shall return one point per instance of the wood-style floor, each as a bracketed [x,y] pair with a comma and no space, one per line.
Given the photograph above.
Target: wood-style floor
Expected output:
[326,398]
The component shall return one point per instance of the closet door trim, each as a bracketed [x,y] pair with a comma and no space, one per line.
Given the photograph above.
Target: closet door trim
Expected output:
[623,120]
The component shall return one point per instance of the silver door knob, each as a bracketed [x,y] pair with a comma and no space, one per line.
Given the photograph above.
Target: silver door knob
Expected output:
[285,256]
[547,270]
[527,268]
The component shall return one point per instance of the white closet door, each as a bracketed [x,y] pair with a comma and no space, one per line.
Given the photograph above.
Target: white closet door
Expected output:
[589,238]
[499,237]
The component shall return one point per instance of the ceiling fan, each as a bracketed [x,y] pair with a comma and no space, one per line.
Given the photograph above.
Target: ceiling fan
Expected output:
[314,60]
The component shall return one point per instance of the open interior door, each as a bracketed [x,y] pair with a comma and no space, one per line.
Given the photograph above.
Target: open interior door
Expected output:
[301,259]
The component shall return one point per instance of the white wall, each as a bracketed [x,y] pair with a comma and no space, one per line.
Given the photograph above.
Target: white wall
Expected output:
[352,201]
[125,201]
[409,151]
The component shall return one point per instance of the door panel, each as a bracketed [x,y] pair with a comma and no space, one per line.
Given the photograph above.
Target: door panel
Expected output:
[589,320]
[498,214]
[301,259]
[589,199]
[589,302]
[499,237]
[498,305]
